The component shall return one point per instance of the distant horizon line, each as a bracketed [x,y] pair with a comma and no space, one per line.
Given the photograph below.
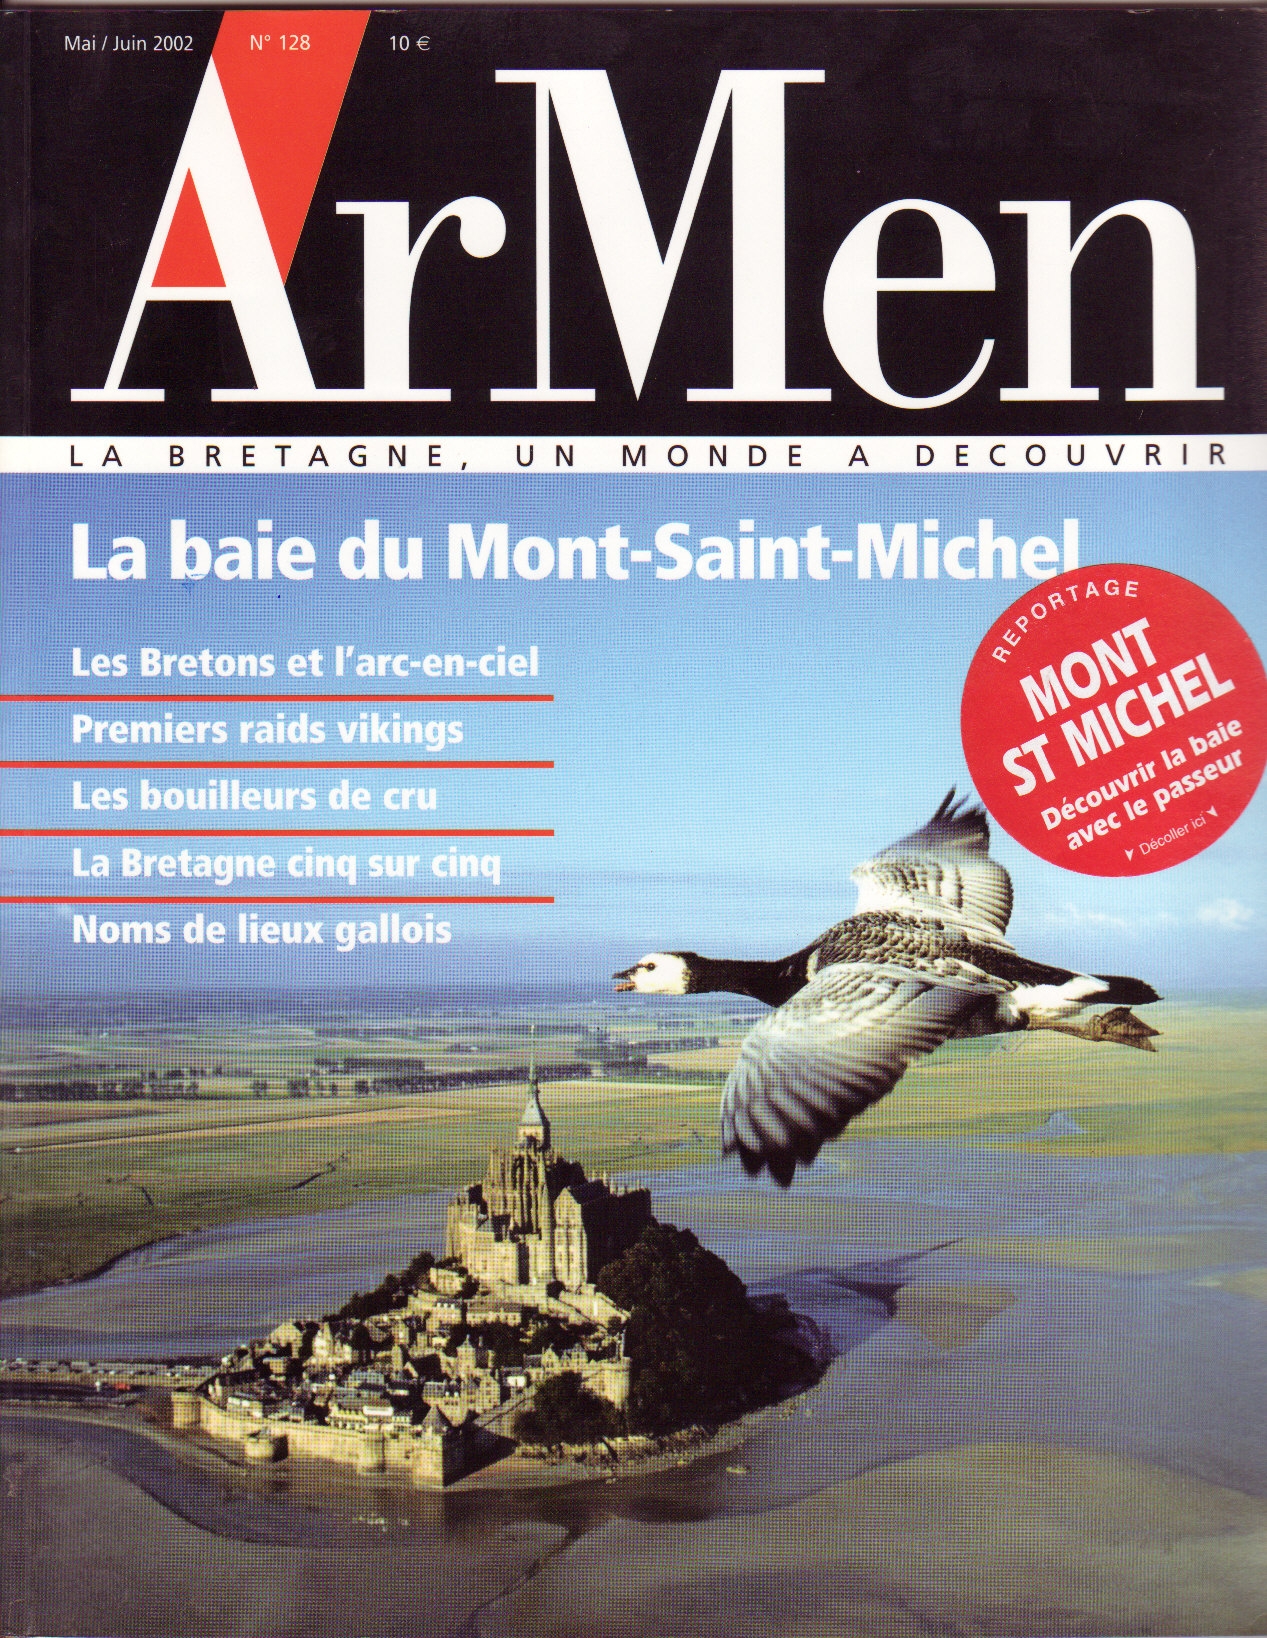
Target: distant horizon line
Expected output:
[25,1007]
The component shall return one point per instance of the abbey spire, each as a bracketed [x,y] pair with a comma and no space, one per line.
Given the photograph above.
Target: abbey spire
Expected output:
[534,1128]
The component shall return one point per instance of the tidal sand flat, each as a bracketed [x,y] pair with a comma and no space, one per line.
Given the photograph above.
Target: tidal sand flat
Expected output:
[200,1294]
[83,1181]
[1143,1360]
[983,1539]
[89,1550]
[1007,1441]
[994,1538]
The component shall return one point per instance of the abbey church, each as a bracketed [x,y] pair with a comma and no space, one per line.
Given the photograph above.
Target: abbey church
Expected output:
[536,1220]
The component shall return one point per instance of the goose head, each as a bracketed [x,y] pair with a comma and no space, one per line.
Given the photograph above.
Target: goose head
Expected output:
[665,972]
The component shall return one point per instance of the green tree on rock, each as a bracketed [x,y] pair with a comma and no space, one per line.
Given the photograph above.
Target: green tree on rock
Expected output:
[699,1349]
[565,1411]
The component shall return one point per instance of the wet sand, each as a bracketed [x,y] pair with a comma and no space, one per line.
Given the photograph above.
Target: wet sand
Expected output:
[984,1539]
[201,1294]
[987,1538]
[1007,1443]
[96,1554]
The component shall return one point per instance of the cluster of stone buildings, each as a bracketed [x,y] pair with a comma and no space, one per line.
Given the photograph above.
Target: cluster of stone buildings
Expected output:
[433,1383]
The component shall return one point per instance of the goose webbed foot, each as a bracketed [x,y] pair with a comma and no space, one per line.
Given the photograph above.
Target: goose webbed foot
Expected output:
[1121,1025]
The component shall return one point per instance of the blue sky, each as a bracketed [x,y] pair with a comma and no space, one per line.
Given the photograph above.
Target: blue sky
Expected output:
[726,751]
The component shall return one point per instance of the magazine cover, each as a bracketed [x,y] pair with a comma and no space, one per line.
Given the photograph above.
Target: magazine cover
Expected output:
[633,895]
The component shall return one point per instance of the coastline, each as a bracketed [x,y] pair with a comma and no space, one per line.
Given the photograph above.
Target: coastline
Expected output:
[1166,1252]
[1117,1546]
[679,1450]
[110,1262]
[919,1418]
[512,1472]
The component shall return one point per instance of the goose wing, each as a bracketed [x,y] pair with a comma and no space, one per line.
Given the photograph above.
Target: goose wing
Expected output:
[831,1051]
[942,871]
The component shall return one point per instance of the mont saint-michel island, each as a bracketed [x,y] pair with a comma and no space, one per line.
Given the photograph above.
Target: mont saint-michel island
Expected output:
[561,1316]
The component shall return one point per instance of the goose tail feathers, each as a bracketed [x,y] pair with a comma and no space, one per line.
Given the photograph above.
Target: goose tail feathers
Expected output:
[1126,992]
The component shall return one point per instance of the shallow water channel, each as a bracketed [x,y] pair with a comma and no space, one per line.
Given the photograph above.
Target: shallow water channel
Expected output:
[1152,1361]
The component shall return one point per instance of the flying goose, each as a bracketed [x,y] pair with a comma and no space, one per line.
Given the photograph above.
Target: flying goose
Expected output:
[923,959]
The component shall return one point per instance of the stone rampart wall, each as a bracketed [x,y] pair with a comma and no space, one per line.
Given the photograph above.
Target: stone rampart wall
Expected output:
[402,1453]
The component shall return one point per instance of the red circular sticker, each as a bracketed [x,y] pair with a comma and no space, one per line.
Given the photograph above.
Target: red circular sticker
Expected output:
[1115,720]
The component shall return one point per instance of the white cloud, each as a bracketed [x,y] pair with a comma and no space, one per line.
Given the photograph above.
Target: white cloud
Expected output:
[1073,915]
[1229,914]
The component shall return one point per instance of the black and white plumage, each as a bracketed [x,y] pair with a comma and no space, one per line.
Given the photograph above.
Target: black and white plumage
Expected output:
[923,959]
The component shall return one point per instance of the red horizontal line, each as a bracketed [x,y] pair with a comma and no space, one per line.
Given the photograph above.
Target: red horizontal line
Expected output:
[268,699]
[200,830]
[127,762]
[386,900]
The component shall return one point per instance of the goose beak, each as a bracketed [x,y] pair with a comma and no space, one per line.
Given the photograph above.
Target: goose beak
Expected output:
[624,981]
